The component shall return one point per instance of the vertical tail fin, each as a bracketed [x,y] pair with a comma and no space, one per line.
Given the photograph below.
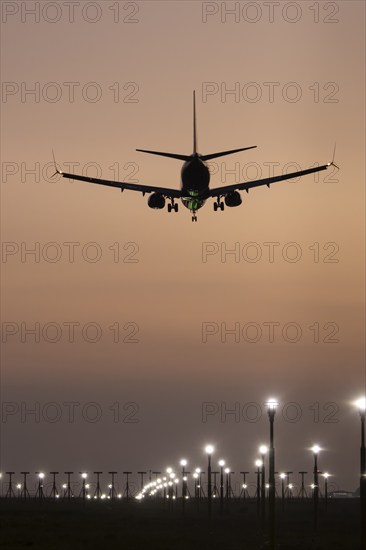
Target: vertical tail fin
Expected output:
[194,124]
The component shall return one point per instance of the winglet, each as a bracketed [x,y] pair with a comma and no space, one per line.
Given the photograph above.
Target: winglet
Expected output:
[334,152]
[56,168]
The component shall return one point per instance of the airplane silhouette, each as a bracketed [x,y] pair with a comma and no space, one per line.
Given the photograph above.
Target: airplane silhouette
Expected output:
[195,180]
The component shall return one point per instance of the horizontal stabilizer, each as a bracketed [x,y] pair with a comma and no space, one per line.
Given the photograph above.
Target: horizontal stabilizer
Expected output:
[170,155]
[215,155]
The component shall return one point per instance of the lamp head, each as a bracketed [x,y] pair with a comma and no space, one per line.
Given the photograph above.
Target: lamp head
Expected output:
[221,463]
[272,405]
[183,462]
[263,449]
[316,449]
[209,449]
[361,404]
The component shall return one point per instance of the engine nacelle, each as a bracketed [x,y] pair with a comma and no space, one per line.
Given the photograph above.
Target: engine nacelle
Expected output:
[156,201]
[233,199]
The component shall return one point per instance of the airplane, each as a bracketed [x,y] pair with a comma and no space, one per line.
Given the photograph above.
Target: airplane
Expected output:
[195,180]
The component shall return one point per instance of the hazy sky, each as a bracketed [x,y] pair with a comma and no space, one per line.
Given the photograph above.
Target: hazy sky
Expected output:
[137,301]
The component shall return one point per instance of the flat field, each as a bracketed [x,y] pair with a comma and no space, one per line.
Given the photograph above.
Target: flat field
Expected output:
[153,525]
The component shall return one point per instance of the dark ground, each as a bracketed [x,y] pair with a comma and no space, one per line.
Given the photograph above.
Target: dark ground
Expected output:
[60,525]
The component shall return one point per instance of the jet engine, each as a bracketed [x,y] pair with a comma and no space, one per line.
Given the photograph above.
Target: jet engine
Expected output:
[156,201]
[233,199]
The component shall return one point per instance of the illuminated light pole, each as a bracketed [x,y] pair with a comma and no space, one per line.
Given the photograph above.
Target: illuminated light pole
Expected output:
[84,475]
[316,449]
[215,491]
[302,492]
[361,405]
[68,491]
[127,489]
[39,492]
[288,492]
[283,477]
[231,492]
[259,465]
[221,464]
[209,450]
[98,491]
[183,463]
[263,449]
[54,491]
[244,490]
[227,490]
[195,477]
[272,405]
[25,493]
[112,492]
[10,492]
[169,471]
[200,486]
[326,475]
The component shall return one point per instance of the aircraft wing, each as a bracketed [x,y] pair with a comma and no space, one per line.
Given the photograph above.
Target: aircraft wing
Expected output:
[245,186]
[165,191]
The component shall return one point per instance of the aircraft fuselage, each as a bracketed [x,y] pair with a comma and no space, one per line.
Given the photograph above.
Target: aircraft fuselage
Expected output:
[195,179]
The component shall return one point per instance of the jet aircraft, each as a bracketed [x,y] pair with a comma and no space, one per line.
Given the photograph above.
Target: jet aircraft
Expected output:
[195,180]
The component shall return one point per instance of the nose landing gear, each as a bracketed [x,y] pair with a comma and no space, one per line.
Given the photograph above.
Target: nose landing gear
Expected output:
[194,217]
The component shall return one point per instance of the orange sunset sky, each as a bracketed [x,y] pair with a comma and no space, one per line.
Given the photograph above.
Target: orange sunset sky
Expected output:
[110,77]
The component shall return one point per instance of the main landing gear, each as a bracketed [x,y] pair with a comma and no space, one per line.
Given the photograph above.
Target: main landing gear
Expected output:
[172,206]
[194,217]
[218,205]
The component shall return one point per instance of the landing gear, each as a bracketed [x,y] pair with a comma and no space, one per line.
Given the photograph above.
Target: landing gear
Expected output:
[194,218]
[172,206]
[218,205]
